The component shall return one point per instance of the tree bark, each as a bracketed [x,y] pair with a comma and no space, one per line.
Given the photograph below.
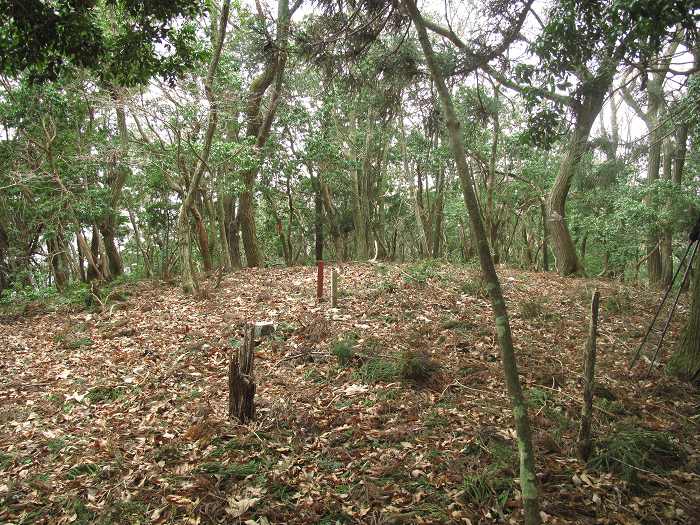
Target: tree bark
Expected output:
[584,444]
[528,480]
[667,235]
[258,129]
[585,114]
[189,280]
[685,360]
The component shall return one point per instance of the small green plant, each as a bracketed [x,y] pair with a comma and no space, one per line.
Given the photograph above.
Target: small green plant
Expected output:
[344,350]
[537,397]
[55,445]
[476,489]
[79,342]
[83,469]
[630,449]
[104,394]
[475,288]
[417,367]
[487,488]
[376,370]
[421,272]
[532,309]
[436,420]
[235,471]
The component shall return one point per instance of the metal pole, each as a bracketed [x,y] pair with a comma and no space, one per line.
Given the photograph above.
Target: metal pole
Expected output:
[658,309]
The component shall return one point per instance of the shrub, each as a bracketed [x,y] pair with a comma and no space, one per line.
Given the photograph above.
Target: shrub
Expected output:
[418,367]
[476,288]
[421,272]
[344,350]
[532,309]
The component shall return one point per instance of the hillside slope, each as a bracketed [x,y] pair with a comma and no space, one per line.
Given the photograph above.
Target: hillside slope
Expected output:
[388,409]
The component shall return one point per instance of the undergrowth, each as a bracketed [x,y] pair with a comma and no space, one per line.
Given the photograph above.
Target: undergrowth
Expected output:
[631,450]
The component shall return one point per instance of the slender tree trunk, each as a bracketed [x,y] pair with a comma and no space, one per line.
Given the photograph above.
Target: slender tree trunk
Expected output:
[318,217]
[491,223]
[232,231]
[189,281]
[223,237]
[667,236]
[420,225]
[528,480]
[139,244]
[545,237]
[59,261]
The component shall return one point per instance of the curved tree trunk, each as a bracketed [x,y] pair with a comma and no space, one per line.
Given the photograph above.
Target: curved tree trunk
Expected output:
[246,215]
[189,281]
[585,114]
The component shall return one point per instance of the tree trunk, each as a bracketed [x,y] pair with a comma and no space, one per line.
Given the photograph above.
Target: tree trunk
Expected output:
[528,480]
[545,236]
[232,231]
[189,281]
[246,214]
[685,361]
[331,215]
[258,129]
[667,235]
[585,114]
[318,217]
[59,262]
[223,236]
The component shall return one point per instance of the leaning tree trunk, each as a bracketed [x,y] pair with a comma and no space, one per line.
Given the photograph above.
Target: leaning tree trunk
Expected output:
[528,480]
[585,114]
[189,281]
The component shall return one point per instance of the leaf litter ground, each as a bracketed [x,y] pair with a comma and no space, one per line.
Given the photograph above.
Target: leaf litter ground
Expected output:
[121,416]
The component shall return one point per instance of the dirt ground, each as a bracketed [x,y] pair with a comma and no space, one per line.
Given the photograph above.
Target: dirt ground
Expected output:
[120,416]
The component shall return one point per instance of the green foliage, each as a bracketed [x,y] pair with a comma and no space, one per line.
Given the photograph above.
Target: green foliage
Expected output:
[230,471]
[475,288]
[104,394]
[83,469]
[422,271]
[344,349]
[630,449]
[484,489]
[377,369]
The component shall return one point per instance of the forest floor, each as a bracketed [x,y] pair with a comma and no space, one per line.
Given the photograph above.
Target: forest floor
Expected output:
[120,416]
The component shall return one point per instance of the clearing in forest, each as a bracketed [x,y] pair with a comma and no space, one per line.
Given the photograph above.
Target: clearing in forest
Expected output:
[389,409]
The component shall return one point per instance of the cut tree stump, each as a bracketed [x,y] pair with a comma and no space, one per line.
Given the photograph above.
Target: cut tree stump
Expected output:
[584,444]
[241,381]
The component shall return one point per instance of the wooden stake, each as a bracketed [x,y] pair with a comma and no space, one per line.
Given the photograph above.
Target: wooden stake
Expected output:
[319,281]
[334,288]
[584,444]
